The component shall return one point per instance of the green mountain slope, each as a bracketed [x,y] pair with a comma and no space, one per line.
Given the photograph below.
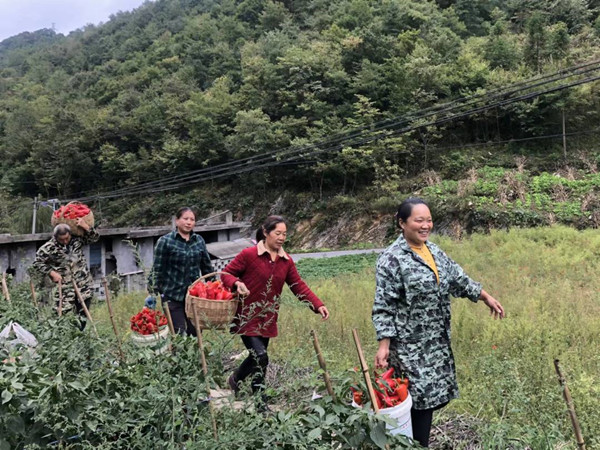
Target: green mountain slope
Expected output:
[180,86]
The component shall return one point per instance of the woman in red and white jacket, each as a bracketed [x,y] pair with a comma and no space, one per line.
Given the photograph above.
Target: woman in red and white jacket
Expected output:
[258,274]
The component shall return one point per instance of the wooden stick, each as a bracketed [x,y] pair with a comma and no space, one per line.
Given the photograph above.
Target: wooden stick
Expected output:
[60,298]
[365,371]
[167,313]
[205,370]
[322,364]
[33,296]
[85,308]
[570,406]
[5,288]
[169,318]
[112,319]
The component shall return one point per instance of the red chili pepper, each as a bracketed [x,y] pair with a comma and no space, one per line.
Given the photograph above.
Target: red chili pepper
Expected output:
[357,396]
[388,374]
[402,392]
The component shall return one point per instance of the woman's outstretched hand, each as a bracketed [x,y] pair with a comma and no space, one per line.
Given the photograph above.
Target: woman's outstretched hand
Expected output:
[324,312]
[496,308]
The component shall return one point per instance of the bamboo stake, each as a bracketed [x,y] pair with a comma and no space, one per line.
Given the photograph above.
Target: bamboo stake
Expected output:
[85,308]
[365,371]
[5,288]
[112,319]
[205,371]
[169,318]
[60,298]
[167,313]
[570,406]
[33,296]
[322,364]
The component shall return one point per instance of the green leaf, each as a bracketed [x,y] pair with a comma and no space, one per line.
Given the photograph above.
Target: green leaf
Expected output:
[15,424]
[320,410]
[92,425]
[378,436]
[330,419]
[6,396]
[77,385]
[314,434]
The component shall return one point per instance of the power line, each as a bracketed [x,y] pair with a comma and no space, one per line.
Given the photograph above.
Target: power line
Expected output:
[378,126]
[350,139]
[369,129]
[267,156]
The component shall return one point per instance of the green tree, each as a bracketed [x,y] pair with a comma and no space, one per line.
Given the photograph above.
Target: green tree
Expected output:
[537,41]
[501,50]
[559,41]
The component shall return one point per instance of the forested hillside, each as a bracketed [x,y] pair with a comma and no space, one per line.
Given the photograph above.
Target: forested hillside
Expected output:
[342,105]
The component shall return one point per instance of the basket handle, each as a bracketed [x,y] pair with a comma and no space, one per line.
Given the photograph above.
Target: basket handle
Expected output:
[208,275]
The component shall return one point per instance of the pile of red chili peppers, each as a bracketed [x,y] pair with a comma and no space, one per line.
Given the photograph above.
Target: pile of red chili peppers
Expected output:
[389,391]
[213,290]
[148,321]
[72,211]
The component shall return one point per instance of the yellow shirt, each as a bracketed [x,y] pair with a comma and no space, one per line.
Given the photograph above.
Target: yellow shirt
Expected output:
[424,253]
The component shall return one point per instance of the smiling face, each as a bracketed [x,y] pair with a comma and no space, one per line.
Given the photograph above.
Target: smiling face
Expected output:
[418,226]
[276,237]
[185,223]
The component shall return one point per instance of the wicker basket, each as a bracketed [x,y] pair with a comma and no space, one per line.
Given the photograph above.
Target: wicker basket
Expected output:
[211,313]
[75,230]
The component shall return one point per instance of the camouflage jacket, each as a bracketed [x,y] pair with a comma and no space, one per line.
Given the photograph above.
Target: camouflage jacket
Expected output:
[68,260]
[413,310]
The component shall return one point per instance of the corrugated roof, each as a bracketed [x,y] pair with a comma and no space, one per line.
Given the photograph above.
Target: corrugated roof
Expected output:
[228,249]
[132,233]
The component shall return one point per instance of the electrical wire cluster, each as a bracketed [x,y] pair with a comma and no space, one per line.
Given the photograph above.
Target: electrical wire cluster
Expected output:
[461,108]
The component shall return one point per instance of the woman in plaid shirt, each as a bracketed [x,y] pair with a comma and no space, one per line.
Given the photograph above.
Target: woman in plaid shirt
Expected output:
[180,258]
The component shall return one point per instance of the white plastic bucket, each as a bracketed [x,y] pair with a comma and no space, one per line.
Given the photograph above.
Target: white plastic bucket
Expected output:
[156,342]
[399,412]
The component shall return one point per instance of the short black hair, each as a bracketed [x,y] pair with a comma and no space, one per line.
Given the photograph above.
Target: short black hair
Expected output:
[405,208]
[269,225]
[185,209]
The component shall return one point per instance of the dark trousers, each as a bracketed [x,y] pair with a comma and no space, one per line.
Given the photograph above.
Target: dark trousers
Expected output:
[421,423]
[180,321]
[256,363]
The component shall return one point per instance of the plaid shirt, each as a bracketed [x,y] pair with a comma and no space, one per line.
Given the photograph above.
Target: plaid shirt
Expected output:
[177,264]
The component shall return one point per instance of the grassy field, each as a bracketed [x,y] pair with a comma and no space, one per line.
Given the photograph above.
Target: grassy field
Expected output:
[547,279]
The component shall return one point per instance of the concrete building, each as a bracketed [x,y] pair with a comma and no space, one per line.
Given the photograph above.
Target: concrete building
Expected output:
[126,253]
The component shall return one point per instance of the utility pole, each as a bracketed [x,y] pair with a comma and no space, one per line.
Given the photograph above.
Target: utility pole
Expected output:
[35,207]
[564,135]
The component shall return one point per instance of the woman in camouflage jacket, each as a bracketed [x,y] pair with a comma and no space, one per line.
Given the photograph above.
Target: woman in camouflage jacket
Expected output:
[411,313]
[62,260]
